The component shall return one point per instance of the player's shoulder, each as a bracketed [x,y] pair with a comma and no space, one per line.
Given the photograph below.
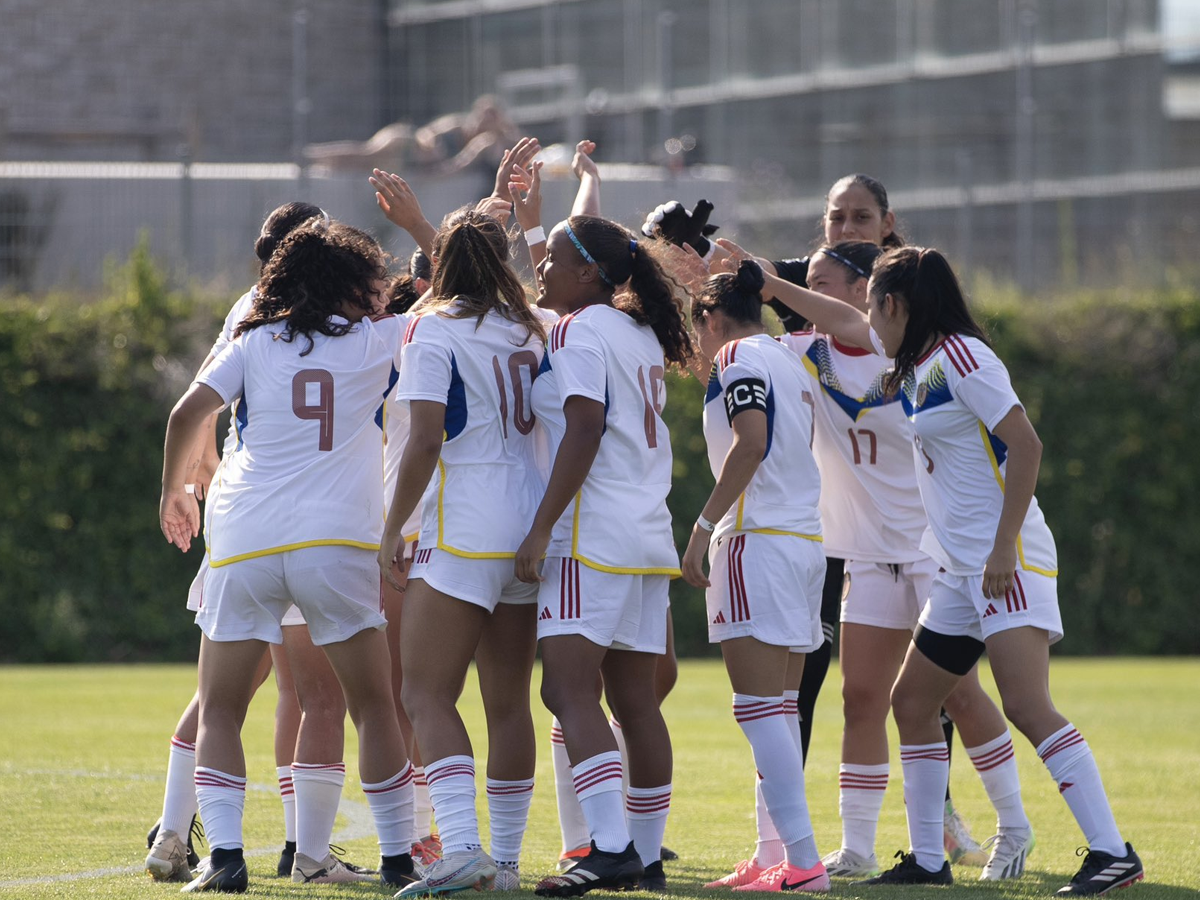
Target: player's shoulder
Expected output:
[583,327]
[967,354]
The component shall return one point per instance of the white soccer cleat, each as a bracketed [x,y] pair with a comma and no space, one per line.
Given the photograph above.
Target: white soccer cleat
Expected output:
[845,863]
[508,878]
[330,870]
[167,859]
[1009,851]
[454,872]
[962,849]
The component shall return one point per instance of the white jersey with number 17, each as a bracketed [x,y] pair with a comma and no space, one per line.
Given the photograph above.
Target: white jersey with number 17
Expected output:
[307,468]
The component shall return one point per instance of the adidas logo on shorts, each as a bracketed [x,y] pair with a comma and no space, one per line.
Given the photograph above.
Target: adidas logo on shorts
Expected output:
[545,614]
[990,611]
[720,619]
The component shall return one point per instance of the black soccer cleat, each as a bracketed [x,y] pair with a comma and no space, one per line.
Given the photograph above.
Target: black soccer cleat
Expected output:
[654,879]
[598,870]
[1102,872]
[666,854]
[287,858]
[223,872]
[398,871]
[909,871]
[196,832]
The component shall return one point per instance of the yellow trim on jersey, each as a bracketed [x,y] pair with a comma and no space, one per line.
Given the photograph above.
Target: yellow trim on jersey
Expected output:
[737,525]
[302,545]
[441,543]
[674,571]
[807,537]
[987,445]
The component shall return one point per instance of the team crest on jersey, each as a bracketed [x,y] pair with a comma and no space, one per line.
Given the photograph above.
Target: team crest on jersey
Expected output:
[922,393]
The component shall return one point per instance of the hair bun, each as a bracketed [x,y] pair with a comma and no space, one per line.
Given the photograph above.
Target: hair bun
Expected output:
[750,276]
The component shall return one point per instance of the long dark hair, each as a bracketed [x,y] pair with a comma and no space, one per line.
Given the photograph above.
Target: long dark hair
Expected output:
[641,289]
[856,257]
[316,271]
[737,295]
[473,276]
[878,192]
[277,225]
[922,280]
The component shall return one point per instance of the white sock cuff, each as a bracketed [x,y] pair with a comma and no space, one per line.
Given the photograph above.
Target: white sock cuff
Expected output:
[647,803]
[938,752]
[556,735]
[325,773]
[180,746]
[748,708]
[449,767]
[419,775]
[791,703]
[284,773]
[995,752]
[498,788]
[400,780]
[597,774]
[864,778]
[1062,746]
[214,778]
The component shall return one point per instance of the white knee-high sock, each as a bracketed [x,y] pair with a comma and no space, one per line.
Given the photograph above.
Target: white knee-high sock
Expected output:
[646,811]
[422,805]
[926,774]
[571,822]
[452,788]
[508,814]
[287,794]
[598,786]
[391,803]
[221,798]
[179,796]
[791,714]
[996,764]
[768,850]
[777,758]
[1071,764]
[318,788]
[860,798]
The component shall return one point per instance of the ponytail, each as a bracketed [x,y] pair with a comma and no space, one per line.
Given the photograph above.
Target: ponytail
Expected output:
[280,223]
[738,296]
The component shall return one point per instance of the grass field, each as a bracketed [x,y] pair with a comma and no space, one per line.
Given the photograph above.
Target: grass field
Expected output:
[83,750]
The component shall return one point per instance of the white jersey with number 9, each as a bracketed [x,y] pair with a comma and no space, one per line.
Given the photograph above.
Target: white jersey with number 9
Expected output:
[307,468]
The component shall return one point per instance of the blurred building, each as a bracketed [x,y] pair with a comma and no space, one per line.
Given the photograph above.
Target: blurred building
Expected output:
[1044,141]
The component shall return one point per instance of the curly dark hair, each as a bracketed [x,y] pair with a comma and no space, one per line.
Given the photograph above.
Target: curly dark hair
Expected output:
[277,225]
[737,295]
[317,271]
[641,288]
[473,276]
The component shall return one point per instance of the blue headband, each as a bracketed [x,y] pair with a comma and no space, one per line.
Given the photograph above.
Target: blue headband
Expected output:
[853,267]
[587,257]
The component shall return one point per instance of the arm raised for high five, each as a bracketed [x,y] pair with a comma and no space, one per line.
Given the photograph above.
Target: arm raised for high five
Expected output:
[402,209]
[520,155]
[587,200]
[526,190]
[828,316]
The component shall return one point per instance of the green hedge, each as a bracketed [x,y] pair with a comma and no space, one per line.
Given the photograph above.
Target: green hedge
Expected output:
[1110,380]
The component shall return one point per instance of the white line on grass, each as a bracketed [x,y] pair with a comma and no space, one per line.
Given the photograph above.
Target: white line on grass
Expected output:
[359,823]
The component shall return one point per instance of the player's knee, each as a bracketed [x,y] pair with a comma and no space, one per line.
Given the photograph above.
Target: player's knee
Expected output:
[1027,713]
[864,701]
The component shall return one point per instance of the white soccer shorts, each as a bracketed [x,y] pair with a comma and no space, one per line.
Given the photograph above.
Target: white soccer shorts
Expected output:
[482,582]
[610,609]
[884,595]
[293,616]
[336,589]
[766,586]
[957,606]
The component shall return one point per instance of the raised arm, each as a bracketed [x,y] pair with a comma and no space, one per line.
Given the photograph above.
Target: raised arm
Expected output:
[402,209]
[526,190]
[587,200]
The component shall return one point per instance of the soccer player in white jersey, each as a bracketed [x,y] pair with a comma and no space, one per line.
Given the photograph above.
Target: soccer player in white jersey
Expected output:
[873,519]
[605,532]
[310,370]
[977,458]
[761,529]
[469,361]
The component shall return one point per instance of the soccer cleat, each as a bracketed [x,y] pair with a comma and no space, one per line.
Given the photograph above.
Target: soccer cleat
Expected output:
[330,870]
[909,871]
[1102,872]
[666,854]
[340,852]
[599,869]
[287,858]
[398,871]
[508,878]
[654,879]
[743,873]
[962,849]
[427,850]
[786,877]
[226,876]
[845,863]
[195,833]
[167,859]
[570,857]
[1009,850]
[454,872]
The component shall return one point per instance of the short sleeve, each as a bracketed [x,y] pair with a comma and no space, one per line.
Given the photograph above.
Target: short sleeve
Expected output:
[877,343]
[425,363]
[227,373]
[237,312]
[737,362]
[578,360]
[979,380]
